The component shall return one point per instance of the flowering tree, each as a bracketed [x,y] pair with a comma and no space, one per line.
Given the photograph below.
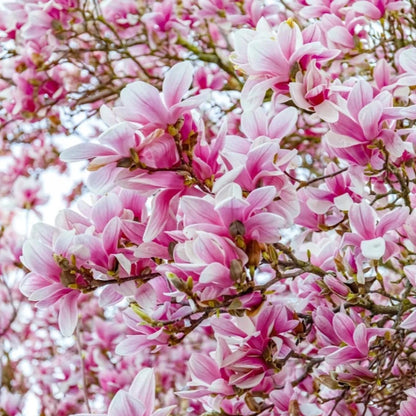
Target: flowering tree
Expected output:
[244,243]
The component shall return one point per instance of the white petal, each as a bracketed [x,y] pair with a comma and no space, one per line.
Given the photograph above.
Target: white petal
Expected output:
[373,249]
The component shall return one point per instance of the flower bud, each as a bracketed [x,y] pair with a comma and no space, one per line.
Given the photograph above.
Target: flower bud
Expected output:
[336,286]
[236,270]
[254,253]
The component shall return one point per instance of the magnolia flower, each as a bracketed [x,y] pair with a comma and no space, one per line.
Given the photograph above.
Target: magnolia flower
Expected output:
[356,339]
[370,236]
[312,90]
[272,58]
[45,283]
[408,407]
[139,400]
[142,103]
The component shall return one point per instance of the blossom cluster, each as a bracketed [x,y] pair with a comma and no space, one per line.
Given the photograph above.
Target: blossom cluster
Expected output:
[245,241]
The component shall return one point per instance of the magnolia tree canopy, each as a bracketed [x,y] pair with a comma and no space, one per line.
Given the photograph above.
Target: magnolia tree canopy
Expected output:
[244,242]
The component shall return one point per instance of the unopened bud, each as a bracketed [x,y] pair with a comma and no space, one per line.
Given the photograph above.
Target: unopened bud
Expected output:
[124,162]
[294,409]
[254,253]
[252,404]
[336,286]
[138,311]
[237,228]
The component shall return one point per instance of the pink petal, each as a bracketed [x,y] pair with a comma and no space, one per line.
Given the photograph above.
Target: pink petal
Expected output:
[186,105]
[247,380]
[64,242]
[228,329]
[409,322]
[159,214]
[44,233]
[411,273]
[369,118]
[283,123]
[340,35]
[407,60]
[363,220]
[39,258]
[203,368]
[208,249]
[109,296]
[142,104]
[265,227]
[125,405]
[344,327]
[231,209]
[382,72]
[177,82]
[133,344]
[297,92]
[150,183]
[253,92]
[68,313]
[266,57]
[52,298]
[360,339]
[143,388]
[111,234]
[260,198]
[146,297]
[338,141]
[119,137]
[392,220]
[151,249]
[47,292]
[368,9]
[290,39]
[327,111]
[33,282]
[103,180]
[197,210]
[216,274]
[253,123]
[85,151]
[360,96]
[106,208]
[344,355]
[166,411]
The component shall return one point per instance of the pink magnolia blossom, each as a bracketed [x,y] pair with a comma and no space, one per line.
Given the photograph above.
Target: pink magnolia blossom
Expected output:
[364,119]
[28,193]
[261,161]
[243,343]
[311,91]
[143,104]
[356,337]
[375,9]
[272,58]
[254,245]
[230,206]
[44,284]
[374,239]
[408,407]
